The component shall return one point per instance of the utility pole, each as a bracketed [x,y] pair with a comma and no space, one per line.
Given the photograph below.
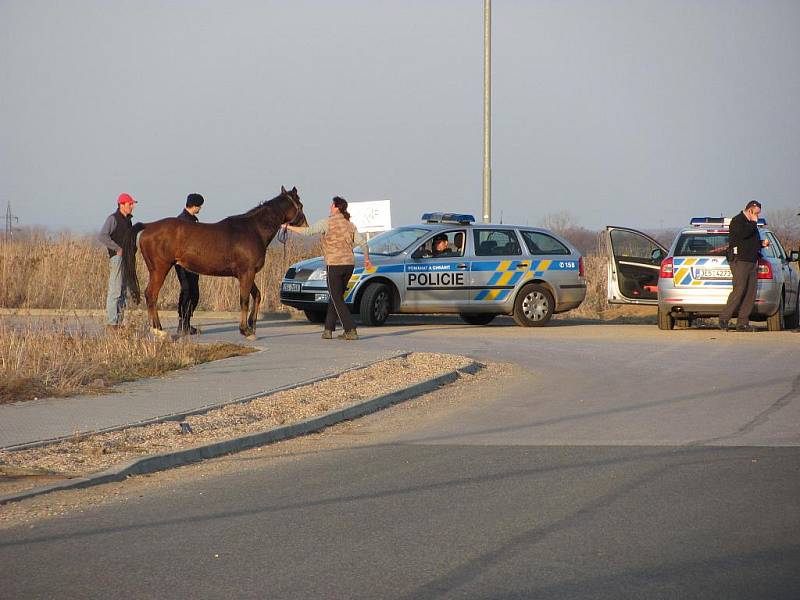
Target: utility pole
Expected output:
[10,220]
[487,111]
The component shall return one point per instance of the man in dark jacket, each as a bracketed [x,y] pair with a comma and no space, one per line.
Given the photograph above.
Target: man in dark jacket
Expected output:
[745,245]
[112,236]
[190,282]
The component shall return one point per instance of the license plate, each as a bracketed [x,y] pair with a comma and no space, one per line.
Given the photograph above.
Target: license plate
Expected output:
[290,287]
[712,274]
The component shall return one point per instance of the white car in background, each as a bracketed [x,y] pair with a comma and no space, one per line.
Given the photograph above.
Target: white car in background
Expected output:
[692,278]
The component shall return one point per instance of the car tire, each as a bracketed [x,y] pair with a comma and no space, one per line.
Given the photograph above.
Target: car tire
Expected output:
[477,318]
[665,319]
[793,320]
[775,322]
[533,306]
[315,316]
[376,304]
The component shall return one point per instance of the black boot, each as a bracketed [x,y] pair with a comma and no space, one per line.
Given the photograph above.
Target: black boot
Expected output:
[185,329]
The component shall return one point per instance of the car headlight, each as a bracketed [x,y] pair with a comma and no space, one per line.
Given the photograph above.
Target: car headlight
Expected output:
[318,275]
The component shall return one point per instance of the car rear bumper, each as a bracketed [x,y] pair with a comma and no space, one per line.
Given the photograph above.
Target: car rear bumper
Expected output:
[705,302]
[570,296]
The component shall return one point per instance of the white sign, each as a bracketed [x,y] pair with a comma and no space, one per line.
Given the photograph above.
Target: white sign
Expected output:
[370,216]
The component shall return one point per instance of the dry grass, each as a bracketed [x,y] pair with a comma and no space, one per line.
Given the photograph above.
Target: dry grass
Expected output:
[70,357]
[70,272]
[596,305]
[32,275]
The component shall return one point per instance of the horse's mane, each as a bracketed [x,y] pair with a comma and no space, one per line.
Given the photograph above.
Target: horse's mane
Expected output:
[257,208]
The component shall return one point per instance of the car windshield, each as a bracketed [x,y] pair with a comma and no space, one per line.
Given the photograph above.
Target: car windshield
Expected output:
[393,242]
[702,244]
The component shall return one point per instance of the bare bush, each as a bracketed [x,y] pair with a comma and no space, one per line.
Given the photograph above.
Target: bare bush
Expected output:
[785,224]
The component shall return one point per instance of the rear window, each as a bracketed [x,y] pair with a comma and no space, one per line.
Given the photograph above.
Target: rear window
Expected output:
[703,244]
[540,243]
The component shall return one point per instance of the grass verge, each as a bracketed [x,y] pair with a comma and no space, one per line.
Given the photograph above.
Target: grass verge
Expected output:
[63,357]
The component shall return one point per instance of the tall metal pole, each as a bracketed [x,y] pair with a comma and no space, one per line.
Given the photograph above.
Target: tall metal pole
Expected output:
[10,218]
[487,111]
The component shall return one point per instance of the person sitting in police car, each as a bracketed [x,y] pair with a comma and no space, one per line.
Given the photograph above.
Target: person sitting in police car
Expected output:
[440,247]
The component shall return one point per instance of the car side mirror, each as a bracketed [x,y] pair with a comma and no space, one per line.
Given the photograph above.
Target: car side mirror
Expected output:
[657,256]
[794,256]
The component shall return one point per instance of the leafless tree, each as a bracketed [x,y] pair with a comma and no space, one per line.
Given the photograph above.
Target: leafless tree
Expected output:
[784,223]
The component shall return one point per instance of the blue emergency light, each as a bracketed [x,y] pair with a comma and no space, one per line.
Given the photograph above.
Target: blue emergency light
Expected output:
[447,218]
[718,222]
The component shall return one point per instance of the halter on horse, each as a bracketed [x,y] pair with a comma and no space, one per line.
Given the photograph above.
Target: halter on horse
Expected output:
[233,247]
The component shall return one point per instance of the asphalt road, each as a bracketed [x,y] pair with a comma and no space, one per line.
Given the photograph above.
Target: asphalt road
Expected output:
[616,461]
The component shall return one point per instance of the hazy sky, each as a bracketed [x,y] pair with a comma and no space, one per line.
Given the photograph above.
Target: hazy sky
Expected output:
[637,113]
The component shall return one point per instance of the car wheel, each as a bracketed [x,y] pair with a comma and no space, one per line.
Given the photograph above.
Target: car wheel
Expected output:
[315,316]
[665,319]
[477,318]
[376,303]
[793,320]
[533,306]
[775,322]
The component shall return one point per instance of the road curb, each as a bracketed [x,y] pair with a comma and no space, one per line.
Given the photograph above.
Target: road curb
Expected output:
[168,460]
[181,415]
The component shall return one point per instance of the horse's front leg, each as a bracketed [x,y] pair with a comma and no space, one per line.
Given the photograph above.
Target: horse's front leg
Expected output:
[256,294]
[245,285]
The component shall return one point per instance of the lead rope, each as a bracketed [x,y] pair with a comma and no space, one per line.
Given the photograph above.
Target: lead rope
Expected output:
[283,238]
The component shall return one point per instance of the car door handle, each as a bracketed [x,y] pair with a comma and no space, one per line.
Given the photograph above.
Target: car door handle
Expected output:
[523,265]
[461,266]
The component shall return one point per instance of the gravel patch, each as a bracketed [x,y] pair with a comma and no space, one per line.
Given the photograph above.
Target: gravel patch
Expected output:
[88,454]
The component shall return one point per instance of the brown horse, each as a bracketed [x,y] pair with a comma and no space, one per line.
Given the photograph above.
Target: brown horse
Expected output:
[233,247]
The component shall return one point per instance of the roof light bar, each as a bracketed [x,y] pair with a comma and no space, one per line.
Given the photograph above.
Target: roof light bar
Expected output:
[447,218]
[710,221]
[718,221]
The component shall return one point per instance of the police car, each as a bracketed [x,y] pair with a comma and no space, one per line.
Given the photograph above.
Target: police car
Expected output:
[693,278]
[483,271]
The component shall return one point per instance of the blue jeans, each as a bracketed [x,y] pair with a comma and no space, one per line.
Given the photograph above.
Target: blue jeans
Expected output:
[115,299]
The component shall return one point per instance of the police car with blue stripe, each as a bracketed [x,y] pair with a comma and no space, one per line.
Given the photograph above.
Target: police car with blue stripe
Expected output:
[692,279]
[449,264]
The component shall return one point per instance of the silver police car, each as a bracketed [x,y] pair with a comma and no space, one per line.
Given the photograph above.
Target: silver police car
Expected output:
[484,270]
[693,279]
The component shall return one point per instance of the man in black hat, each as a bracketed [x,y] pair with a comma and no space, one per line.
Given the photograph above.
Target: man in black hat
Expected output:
[744,243]
[190,282]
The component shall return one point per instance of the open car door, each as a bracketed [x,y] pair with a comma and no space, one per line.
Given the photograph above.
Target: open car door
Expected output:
[634,263]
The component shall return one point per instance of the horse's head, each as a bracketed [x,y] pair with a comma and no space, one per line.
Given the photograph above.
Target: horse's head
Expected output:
[294,216]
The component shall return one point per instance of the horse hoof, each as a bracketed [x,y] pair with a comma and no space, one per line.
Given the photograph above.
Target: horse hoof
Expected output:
[251,337]
[158,332]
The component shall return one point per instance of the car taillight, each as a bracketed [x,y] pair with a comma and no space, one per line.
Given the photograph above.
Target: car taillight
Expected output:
[764,269]
[666,269]
[580,267]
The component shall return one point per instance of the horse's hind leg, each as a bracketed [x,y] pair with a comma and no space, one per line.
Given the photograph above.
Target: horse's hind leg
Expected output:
[157,277]
[251,321]
[245,285]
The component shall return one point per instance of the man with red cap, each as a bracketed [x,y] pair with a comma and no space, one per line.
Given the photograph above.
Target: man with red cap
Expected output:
[112,235]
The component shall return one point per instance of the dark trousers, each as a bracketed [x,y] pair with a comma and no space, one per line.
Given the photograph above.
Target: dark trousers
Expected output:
[190,294]
[742,298]
[338,276]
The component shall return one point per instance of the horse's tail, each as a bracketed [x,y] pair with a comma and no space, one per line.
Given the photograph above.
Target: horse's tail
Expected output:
[129,262]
